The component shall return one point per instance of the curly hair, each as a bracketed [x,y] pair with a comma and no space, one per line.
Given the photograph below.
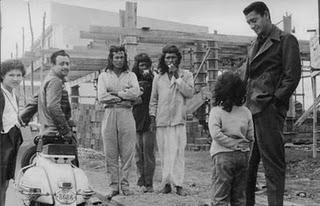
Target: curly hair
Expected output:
[115,49]
[172,49]
[142,57]
[229,91]
[10,65]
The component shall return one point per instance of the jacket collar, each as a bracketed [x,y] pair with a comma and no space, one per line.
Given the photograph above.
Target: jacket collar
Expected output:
[274,35]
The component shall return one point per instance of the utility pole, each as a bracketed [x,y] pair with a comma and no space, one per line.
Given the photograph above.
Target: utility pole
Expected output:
[0,31]
[32,40]
[17,53]
[23,81]
[319,20]
[42,45]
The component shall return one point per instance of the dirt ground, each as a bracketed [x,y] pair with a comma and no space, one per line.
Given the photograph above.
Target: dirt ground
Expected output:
[302,182]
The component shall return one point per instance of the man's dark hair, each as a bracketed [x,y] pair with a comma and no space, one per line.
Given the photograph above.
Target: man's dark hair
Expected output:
[54,55]
[142,57]
[169,49]
[229,90]
[257,6]
[9,65]
[115,49]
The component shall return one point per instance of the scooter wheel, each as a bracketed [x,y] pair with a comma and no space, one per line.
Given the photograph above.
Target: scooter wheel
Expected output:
[29,156]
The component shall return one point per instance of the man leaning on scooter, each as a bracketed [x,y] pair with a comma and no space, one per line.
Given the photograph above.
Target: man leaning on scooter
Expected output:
[52,104]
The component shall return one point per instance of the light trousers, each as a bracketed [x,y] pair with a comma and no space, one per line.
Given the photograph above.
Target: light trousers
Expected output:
[171,144]
[119,137]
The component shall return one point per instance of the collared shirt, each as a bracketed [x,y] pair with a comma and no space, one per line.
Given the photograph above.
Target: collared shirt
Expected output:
[10,112]
[126,85]
[168,98]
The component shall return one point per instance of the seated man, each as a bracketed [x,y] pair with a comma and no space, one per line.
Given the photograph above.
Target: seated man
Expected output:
[52,104]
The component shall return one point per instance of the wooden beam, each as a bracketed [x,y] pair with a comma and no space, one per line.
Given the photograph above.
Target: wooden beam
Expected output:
[306,114]
[86,78]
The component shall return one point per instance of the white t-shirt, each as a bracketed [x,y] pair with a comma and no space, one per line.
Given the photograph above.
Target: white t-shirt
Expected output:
[10,112]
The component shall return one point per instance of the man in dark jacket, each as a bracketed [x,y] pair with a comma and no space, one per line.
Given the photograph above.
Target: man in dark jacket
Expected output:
[272,74]
[145,144]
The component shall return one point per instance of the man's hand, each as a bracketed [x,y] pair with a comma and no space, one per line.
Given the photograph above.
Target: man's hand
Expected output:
[152,123]
[70,138]
[174,70]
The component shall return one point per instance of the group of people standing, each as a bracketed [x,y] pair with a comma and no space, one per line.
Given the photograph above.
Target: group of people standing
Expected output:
[143,108]
[151,108]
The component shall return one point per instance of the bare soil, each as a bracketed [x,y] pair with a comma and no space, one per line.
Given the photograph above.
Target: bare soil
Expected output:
[302,182]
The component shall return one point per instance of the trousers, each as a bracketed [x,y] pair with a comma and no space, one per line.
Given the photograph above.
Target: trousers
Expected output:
[172,142]
[268,147]
[119,136]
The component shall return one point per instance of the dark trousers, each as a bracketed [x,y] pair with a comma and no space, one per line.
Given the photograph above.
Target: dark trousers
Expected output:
[9,146]
[269,147]
[229,178]
[145,158]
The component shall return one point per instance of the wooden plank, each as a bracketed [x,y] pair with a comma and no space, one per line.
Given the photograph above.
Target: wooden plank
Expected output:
[169,34]
[85,78]
[306,114]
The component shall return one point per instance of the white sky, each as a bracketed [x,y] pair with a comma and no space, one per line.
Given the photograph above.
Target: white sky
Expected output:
[225,16]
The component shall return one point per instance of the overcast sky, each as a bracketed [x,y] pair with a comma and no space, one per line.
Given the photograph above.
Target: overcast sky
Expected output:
[225,16]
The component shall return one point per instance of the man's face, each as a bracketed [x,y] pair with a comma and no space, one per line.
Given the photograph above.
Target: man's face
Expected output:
[12,79]
[62,66]
[171,58]
[257,22]
[143,67]
[118,59]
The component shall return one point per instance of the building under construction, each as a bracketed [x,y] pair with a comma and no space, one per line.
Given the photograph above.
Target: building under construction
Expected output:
[88,33]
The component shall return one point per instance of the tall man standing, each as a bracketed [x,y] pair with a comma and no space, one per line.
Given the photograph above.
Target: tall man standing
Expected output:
[272,74]
[118,87]
[167,109]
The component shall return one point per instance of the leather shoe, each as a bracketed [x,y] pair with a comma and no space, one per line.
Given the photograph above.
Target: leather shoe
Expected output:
[127,192]
[148,189]
[180,191]
[112,194]
[166,189]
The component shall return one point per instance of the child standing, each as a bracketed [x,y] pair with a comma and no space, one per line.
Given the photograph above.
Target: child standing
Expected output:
[231,129]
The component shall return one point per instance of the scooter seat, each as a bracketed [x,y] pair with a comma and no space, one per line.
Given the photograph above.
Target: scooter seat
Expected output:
[59,149]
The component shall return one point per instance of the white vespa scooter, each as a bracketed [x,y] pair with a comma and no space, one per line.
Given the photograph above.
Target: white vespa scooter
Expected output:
[51,178]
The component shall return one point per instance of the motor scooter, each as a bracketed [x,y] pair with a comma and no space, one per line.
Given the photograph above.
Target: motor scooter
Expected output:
[48,177]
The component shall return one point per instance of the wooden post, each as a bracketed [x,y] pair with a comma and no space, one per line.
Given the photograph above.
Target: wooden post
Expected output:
[23,80]
[130,42]
[16,56]
[314,125]
[287,27]
[131,15]
[32,41]
[42,46]
[0,31]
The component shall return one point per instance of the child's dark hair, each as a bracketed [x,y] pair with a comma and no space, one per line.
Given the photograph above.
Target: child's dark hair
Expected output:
[229,91]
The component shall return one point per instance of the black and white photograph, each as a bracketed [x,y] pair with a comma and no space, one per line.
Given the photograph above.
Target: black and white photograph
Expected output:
[159,103]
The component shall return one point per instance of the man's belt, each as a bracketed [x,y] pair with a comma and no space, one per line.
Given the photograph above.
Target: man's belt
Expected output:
[126,106]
